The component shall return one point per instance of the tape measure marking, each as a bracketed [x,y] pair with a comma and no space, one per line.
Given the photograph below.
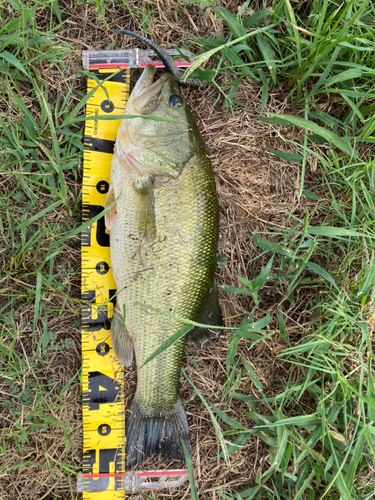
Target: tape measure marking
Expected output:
[103,404]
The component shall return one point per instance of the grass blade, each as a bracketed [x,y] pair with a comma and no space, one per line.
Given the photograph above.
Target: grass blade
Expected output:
[11,59]
[170,341]
[332,232]
[39,215]
[339,142]
[322,272]
[190,469]
[286,156]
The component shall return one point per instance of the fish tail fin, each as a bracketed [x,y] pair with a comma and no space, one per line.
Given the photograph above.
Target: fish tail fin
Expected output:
[156,434]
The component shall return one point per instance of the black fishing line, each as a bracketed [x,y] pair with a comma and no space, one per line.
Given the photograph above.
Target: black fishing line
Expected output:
[168,62]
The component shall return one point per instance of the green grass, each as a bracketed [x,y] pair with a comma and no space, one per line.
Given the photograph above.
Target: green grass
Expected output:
[319,423]
[39,203]
[319,52]
[336,355]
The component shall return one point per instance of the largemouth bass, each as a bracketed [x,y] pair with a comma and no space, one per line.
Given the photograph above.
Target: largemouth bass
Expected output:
[163,234]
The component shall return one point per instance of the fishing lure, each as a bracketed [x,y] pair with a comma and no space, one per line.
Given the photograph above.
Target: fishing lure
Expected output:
[168,62]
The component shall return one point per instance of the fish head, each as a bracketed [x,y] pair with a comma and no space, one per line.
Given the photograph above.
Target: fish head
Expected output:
[162,136]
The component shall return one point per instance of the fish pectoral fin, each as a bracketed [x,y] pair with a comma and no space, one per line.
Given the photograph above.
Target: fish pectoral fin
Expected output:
[121,343]
[143,192]
[110,216]
[210,315]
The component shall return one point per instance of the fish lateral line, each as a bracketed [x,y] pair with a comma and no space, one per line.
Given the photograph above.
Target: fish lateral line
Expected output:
[183,320]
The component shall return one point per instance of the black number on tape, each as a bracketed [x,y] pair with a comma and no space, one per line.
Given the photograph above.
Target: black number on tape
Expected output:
[121,76]
[104,429]
[102,238]
[90,323]
[102,187]
[102,390]
[107,106]
[102,267]
[100,145]
[102,349]
[111,455]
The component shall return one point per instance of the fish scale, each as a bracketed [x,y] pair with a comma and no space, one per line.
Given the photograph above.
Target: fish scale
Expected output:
[181,259]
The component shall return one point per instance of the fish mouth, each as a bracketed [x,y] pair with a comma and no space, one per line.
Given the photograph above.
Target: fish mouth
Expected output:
[146,93]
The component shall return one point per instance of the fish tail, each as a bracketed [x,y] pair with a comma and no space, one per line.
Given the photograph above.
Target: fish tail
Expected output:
[168,62]
[156,434]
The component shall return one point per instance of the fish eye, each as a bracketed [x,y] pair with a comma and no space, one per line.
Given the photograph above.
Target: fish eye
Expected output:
[175,100]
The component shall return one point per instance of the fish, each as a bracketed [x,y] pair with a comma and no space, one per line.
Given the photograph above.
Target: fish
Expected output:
[162,217]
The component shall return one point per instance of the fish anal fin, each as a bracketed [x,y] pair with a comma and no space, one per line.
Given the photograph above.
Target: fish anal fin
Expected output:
[110,216]
[143,192]
[210,315]
[121,343]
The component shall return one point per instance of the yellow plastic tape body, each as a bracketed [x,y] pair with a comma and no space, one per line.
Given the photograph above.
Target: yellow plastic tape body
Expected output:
[102,376]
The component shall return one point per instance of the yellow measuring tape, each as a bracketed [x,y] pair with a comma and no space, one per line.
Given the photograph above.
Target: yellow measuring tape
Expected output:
[102,376]
[103,476]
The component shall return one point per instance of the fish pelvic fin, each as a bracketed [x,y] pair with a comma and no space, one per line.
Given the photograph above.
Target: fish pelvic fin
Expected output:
[143,192]
[121,343]
[209,315]
[155,433]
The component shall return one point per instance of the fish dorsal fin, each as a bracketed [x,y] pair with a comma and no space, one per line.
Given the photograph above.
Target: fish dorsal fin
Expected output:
[110,216]
[210,315]
[143,193]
